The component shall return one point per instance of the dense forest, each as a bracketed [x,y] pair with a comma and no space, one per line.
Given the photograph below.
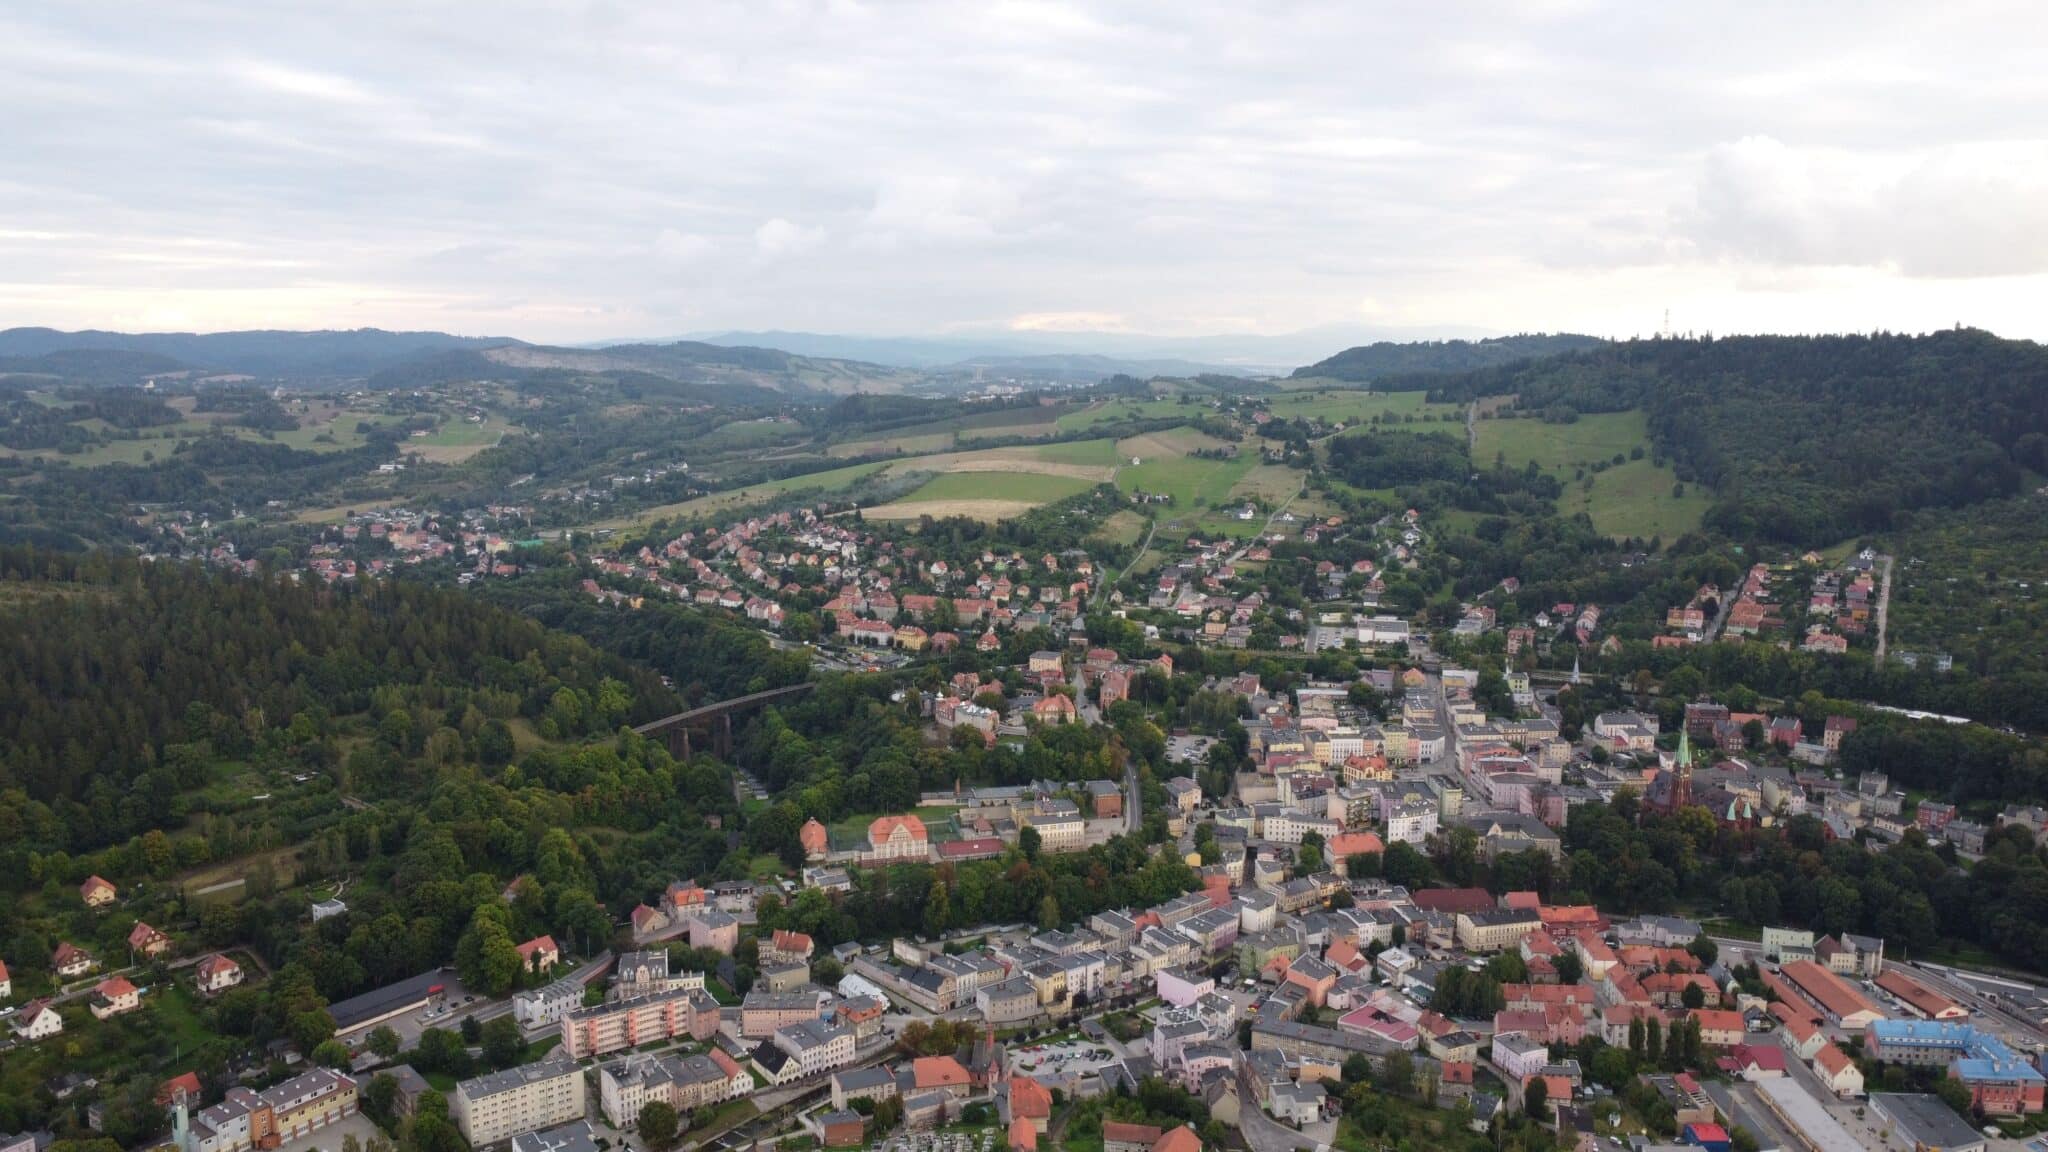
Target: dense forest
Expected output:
[1807,440]
[129,683]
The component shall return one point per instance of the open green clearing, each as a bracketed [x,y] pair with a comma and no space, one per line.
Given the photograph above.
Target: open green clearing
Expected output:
[1633,498]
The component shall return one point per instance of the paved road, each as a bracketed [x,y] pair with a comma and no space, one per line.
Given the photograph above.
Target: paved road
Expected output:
[1262,1132]
[1884,603]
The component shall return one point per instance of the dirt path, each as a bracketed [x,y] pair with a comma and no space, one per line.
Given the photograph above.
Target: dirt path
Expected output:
[1472,428]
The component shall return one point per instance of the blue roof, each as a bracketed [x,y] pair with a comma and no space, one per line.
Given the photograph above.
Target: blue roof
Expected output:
[1979,1055]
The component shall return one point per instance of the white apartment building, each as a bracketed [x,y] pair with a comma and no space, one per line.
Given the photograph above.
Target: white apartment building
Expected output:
[1290,826]
[547,1004]
[501,1105]
[1410,821]
[802,1050]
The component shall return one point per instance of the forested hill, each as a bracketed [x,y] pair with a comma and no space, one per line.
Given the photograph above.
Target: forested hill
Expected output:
[1809,440]
[129,686]
[1384,359]
[282,355]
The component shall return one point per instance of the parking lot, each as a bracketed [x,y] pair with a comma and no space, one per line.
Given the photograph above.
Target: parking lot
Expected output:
[1068,1058]
[1188,749]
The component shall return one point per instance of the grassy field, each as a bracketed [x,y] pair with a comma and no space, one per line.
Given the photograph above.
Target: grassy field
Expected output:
[1192,481]
[1112,411]
[1273,483]
[1124,527]
[1026,486]
[457,440]
[1636,499]
[1633,498]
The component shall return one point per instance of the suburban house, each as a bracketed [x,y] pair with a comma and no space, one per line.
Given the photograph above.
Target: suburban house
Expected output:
[217,974]
[115,996]
[147,943]
[97,893]
[539,954]
[70,961]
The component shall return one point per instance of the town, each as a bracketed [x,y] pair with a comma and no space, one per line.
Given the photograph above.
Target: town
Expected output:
[1305,964]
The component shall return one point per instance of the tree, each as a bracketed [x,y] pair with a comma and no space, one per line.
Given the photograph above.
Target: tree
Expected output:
[1704,949]
[383,1041]
[1357,1069]
[504,1045]
[1570,969]
[937,912]
[1049,912]
[1537,1098]
[659,1125]
[1028,842]
[1693,996]
[332,1054]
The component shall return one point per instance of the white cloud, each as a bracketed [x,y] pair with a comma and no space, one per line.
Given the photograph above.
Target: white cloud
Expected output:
[922,166]
[681,247]
[1958,211]
[778,238]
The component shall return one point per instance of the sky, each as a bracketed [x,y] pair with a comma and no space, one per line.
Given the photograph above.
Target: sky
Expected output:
[574,172]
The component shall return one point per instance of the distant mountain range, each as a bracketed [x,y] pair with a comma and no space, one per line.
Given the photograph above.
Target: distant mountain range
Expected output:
[278,354]
[746,366]
[1135,354]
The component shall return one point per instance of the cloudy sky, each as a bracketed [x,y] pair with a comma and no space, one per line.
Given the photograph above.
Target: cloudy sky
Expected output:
[580,171]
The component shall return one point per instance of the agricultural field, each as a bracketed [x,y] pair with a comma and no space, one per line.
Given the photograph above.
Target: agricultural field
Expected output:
[1632,498]
[982,495]
[1015,484]
[944,435]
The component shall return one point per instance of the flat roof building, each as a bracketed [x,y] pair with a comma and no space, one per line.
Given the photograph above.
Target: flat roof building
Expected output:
[1925,1123]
